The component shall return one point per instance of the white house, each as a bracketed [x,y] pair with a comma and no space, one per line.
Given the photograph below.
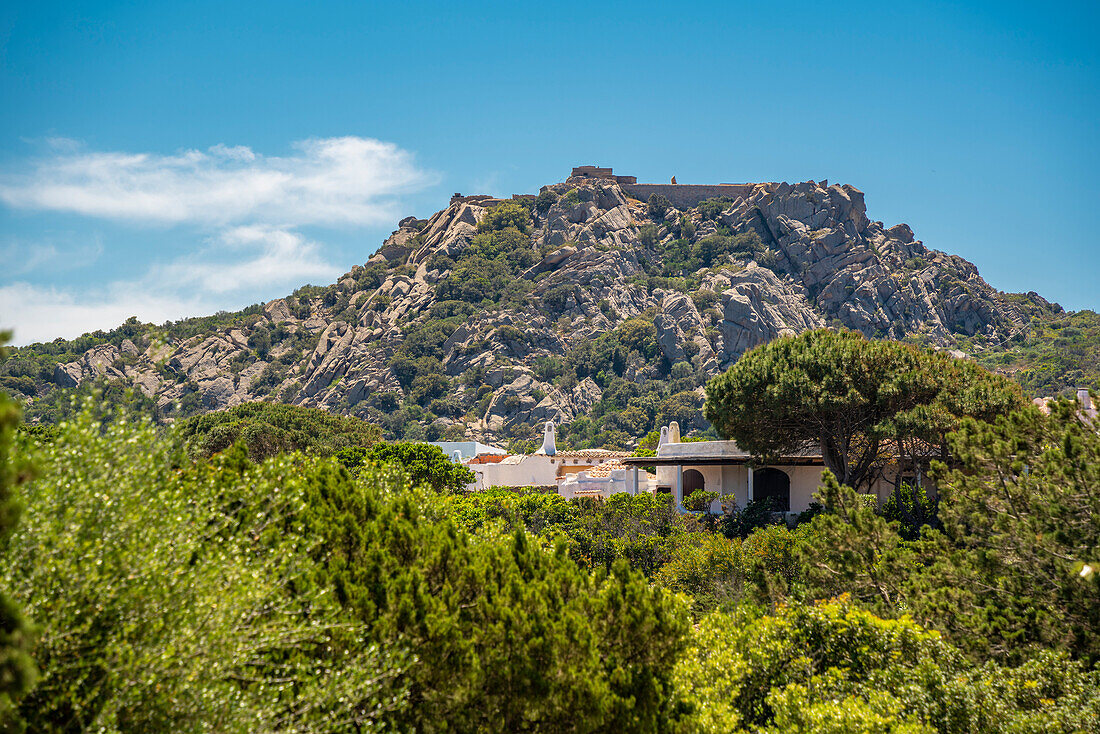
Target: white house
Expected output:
[610,477]
[722,467]
[681,468]
[543,468]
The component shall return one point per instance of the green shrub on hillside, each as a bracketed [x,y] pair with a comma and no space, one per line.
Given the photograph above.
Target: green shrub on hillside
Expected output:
[267,429]
[425,465]
[168,597]
[657,206]
[544,201]
[508,214]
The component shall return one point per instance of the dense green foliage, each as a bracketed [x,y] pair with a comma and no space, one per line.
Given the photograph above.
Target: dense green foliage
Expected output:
[168,599]
[425,464]
[1023,510]
[287,595]
[293,595]
[486,272]
[862,403]
[684,258]
[267,429]
[17,672]
[1014,563]
[831,667]
[507,635]
[1058,353]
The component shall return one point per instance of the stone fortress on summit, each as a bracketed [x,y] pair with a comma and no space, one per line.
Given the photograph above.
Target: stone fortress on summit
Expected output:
[681,196]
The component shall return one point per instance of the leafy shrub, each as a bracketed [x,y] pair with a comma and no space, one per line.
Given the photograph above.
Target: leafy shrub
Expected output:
[545,200]
[912,509]
[708,567]
[700,500]
[647,235]
[711,208]
[507,214]
[423,463]
[556,299]
[168,598]
[833,667]
[271,428]
[687,227]
[658,205]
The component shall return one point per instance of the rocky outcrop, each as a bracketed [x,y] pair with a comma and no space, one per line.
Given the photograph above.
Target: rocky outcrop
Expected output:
[757,307]
[595,252]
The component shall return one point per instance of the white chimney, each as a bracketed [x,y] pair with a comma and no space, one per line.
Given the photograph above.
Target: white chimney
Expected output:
[457,457]
[674,432]
[1084,398]
[548,446]
[664,437]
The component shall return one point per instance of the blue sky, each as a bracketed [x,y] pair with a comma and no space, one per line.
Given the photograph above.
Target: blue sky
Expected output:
[172,159]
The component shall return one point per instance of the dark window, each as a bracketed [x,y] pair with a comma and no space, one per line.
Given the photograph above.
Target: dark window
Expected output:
[693,480]
[772,485]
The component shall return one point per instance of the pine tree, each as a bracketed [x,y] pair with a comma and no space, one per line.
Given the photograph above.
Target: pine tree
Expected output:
[862,403]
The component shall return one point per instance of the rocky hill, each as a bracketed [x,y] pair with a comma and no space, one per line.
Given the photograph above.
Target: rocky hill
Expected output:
[584,305]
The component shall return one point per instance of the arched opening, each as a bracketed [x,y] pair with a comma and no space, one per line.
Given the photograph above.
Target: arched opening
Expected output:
[772,484]
[693,480]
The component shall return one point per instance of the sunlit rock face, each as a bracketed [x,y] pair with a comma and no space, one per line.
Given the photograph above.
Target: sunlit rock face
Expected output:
[598,258]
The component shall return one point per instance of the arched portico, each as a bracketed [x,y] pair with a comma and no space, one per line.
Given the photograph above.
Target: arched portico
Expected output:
[693,480]
[773,484]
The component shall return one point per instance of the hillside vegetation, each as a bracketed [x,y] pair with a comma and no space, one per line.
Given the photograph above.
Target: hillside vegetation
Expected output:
[150,589]
[583,306]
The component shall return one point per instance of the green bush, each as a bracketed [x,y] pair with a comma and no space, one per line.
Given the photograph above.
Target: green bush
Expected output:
[711,208]
[658,205]
[267,429]
[423,463]
[647,235]
[687,227]
[544,201]
[168,598]
[832,667]
[17,670]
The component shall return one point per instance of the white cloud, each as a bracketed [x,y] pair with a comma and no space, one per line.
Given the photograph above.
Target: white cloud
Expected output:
[261,258]
[272,256]
[244,207]
[41,314]
[22,258]
[328,181]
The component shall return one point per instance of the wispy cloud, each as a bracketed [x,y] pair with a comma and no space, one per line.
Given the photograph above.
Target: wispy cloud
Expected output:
[244,208]
[43,313]
[258,256]
[241,262]
[328,181]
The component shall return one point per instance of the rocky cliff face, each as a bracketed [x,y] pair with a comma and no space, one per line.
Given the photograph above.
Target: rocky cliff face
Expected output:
[600,259]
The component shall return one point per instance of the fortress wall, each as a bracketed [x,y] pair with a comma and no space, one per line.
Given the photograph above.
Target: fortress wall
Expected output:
[685,196]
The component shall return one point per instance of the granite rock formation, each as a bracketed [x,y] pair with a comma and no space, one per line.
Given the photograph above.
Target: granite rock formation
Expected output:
[826,263]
